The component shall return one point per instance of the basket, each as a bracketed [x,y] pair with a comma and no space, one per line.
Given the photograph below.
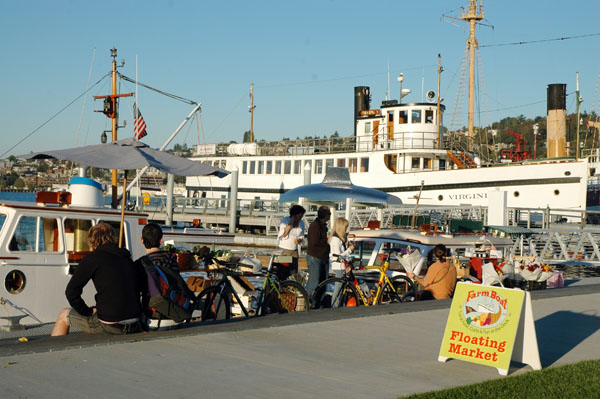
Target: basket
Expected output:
[535,285]
[184,260]
[289,299]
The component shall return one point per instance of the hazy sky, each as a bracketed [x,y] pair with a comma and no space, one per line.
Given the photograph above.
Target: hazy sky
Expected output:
[304,58]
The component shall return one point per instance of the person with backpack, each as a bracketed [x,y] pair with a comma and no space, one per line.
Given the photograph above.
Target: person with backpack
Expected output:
[120,286]
[169,295]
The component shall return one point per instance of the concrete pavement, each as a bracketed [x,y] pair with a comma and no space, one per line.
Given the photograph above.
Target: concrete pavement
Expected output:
[378,352]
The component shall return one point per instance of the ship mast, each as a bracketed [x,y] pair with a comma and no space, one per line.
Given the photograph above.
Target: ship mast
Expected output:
[472,17]
[252,113]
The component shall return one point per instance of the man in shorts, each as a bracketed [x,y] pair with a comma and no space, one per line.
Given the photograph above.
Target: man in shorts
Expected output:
[120,286]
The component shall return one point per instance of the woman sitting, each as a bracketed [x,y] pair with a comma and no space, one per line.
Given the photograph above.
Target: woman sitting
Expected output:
[440,280]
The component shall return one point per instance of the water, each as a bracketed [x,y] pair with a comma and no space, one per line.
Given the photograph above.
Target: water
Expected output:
[6,196]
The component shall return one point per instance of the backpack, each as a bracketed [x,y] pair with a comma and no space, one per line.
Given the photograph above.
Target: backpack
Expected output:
[170,297]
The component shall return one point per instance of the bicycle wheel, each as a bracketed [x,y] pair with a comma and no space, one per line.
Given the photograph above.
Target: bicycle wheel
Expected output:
[213,305]
[402,285]
[323,296]
[292,298]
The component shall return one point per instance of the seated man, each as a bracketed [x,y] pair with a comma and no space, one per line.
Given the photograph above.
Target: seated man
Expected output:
[119,284]
[440,280]
[152,239]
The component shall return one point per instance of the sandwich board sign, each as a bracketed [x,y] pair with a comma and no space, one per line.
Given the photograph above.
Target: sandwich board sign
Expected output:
[491,326]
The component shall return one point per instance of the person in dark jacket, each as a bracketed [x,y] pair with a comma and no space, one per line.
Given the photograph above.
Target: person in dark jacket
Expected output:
[119,284]
[317,254]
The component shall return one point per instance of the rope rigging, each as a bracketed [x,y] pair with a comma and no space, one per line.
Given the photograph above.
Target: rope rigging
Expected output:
[173,96]
[539,41]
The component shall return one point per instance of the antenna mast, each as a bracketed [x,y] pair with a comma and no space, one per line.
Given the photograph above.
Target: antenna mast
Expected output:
[252,113]
[472,17]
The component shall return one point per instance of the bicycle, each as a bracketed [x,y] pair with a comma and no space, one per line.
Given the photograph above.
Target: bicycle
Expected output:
[349,291]
[275,296]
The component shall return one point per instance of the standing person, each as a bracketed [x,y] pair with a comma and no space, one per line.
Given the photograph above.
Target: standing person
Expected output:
[339,246]
[119,285]
[291,235]
[440,280]
[317,254]
[152,239]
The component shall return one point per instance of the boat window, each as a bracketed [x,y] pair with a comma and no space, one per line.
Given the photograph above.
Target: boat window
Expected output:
[252,167]
[398,254]
[416,163]
[297,167]
[352,165]
[76,237]
[341,163]
[244,167]
[442,164]
[364,164]
[318,166]
[362,252]
[309,162]
[269,167]
[390,161]
[2,220]
[416,116]
[36,234]
[223,164]
[287,167]
[261,165]
[328,164]
[427,163]
[403,117]
[277,167]
[429,116]
[391,117]
[368,127]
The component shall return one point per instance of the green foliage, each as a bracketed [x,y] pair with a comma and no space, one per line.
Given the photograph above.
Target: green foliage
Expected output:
[246,136]
[580,380]
[12,158]
[19,183]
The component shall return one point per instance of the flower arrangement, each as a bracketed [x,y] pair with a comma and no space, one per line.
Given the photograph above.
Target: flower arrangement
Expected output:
[534,271]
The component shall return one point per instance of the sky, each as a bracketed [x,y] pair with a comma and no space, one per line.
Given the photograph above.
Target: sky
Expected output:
[303,57]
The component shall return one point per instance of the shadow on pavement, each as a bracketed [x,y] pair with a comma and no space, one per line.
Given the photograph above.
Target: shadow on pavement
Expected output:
[560,332]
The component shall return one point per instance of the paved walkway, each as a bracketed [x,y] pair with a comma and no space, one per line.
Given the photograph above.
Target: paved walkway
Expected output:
[379,352]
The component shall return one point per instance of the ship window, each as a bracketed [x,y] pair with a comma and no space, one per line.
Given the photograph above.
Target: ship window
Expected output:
[364,164]
[309,163]
[363,251]
[76,235]
[352,165]
[287,167]
[368,127]
[416,116]
[341,163]
[277,167]
[556,192]
[2,220]
[36,234]
[328,164]
[442,164]
[427,163]
[244,167]
[116,225]
[429,116]
[269,167]
[390,161]
[391,117]
[440,197]
[261,165]
[318,166]
[416,163]
[403,117]
[297,167]
[252,167]
[516,194]
[223,164]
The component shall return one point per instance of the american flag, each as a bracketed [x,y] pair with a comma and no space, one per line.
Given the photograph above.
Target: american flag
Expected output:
[139,126]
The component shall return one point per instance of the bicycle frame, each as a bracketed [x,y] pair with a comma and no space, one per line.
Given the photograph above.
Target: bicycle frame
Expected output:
[381,283]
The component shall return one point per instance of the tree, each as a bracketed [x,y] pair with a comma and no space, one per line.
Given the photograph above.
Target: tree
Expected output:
[19,183]
[246,136]
[12,158]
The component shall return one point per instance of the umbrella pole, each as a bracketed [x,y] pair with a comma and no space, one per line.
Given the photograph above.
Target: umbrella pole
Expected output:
[121,227]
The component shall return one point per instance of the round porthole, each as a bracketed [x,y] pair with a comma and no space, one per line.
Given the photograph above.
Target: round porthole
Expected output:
[440,197]
[556,192]
[15,281]
[567,173]
[516,194]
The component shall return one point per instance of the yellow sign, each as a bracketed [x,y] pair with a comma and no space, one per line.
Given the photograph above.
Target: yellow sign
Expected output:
[483,324]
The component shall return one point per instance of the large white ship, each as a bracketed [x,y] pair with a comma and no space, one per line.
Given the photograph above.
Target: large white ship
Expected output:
[400,148]
[395,150]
